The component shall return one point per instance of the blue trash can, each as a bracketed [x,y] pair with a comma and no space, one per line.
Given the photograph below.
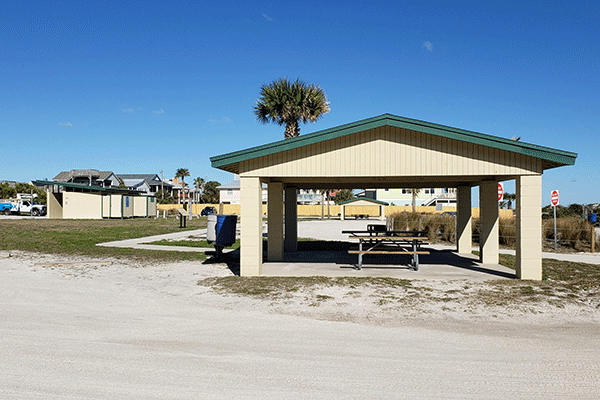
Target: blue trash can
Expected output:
[226,225]
[593,217]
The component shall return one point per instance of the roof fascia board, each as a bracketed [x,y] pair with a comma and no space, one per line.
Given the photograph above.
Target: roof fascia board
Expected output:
[545,153]
[88,187]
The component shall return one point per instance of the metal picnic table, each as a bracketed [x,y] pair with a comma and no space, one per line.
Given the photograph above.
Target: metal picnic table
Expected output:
[378,240]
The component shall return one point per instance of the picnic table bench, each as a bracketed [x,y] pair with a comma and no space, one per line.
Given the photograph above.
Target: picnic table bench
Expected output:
[378,240]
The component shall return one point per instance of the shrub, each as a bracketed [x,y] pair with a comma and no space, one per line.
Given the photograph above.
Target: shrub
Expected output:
[436,226]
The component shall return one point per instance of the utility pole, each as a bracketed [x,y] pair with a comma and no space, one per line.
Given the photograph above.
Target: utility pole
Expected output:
[162,186]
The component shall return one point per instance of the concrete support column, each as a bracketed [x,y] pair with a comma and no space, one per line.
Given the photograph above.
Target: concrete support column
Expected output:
[464,220]
[488,210]
[251,251]
[529,227]
[291,219]
[275,224]
[382,212]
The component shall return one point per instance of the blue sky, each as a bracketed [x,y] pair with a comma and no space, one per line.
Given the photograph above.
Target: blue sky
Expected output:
[140,87]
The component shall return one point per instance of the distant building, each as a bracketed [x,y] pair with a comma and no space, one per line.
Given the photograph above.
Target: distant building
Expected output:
[9,183]
[438,197]
[147,183]
[230,194]
[90,177]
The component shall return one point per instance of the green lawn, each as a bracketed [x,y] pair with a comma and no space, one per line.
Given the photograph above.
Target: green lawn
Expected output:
[79,237]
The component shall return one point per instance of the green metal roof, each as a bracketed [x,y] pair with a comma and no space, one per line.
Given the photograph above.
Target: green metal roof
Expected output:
[109,190]
[378,202]
[558,157]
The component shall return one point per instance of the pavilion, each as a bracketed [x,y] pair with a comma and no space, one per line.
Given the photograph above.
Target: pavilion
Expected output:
[390,152]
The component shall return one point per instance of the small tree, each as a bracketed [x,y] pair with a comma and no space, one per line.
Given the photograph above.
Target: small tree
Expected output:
[7,192]
[508,199]
[343,195]
[164,197]
[182,173]
[211,193]
[199,185]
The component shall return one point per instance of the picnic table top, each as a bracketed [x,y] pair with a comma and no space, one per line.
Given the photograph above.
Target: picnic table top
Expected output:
[387,233]
[391,238]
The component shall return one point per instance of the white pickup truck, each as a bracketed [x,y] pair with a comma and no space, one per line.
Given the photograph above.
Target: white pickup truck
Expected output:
[22,206]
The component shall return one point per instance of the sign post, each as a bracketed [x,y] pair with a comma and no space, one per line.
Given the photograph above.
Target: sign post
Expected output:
[554,202]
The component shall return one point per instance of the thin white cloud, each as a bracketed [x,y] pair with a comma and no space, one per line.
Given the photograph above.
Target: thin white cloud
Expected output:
[161,111]
[265,16]
[223,120]
[428,46]
[68,124]
[128,110]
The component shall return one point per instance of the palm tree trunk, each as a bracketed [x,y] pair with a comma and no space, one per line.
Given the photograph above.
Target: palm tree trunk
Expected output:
[292,129]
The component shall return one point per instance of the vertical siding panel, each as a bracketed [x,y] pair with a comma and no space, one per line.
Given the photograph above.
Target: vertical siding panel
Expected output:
[323,162]
[377,156]
[402,161]
[356,155]
[360,155]
[392,148]
[408,160]
[336,163]
[410,154]
[316,162]
[438,170]
[470,150]
[463,159]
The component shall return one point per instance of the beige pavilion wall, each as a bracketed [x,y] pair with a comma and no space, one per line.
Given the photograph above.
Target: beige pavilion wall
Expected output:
[406,153]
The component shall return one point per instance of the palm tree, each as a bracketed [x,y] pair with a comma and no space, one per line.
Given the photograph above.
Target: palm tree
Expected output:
[285,102]
[415,193]
[182,173]
[199,184]
[509,198]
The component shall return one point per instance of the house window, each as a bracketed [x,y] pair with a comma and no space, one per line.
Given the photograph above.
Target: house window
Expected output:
[387,190]
[229,192]
[405,191]
[426,191]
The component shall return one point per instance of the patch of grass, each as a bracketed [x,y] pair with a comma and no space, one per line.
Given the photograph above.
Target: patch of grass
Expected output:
[281,287]
[79,237]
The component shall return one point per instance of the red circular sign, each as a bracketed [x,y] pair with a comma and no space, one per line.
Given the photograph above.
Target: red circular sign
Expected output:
[554,197]
[500,191]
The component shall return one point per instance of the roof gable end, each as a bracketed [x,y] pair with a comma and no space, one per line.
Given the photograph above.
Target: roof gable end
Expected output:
[558,157]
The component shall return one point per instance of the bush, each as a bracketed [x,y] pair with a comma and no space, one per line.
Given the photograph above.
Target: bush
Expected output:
[572,232]
[436,226]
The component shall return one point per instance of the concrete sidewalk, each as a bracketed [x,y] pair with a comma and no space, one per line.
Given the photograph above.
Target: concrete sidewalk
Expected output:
[140,243]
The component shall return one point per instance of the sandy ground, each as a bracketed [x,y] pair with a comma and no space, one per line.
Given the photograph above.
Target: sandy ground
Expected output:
[90,329]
